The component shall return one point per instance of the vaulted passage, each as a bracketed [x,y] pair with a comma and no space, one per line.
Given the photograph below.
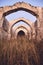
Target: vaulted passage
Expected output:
[21,33]
[20,11]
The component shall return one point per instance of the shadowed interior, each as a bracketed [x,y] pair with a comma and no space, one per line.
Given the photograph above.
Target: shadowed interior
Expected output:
[21,33]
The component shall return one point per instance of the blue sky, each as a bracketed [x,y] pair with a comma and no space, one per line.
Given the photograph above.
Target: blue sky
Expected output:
[21,13]
[11,2]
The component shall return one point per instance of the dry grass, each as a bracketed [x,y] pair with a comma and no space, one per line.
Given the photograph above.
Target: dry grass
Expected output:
[18,51]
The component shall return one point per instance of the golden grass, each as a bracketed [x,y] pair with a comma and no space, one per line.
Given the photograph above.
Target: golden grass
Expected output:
[18,51]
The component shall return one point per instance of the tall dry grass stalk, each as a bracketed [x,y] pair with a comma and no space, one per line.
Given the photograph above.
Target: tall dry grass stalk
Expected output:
[18,51]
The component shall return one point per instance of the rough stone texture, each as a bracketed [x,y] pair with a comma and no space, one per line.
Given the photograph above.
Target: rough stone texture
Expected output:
[4,29]
[5,25]
[23,28]
[35,11]
[13,22]
[29,29]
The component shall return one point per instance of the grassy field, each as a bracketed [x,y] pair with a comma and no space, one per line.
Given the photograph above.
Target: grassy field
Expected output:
[21,51]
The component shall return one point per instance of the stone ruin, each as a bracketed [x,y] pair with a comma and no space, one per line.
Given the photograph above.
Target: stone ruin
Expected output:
[35,30]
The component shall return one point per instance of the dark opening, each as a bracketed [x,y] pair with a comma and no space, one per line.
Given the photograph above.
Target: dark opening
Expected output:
[21,33]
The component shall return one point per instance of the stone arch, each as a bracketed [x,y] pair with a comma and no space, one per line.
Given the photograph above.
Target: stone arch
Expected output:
[20,6]
[21,28]
[29,23]
[35,11]
[21,25]
[12,23]
[26,31]
[6,10]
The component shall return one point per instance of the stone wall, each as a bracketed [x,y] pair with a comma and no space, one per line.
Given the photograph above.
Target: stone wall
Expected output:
[35,11]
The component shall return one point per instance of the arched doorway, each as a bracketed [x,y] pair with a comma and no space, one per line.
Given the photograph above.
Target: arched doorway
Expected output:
[29,23]
[21,33]
[19,6]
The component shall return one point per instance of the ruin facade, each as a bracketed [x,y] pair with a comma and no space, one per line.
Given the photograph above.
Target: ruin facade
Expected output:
[6,27]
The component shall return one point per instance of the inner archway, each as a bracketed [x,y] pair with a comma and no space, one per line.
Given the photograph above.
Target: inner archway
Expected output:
[21,33]
[21,24]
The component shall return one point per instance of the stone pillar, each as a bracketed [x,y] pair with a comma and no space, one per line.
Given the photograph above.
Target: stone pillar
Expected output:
[1,23]
[39,24]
